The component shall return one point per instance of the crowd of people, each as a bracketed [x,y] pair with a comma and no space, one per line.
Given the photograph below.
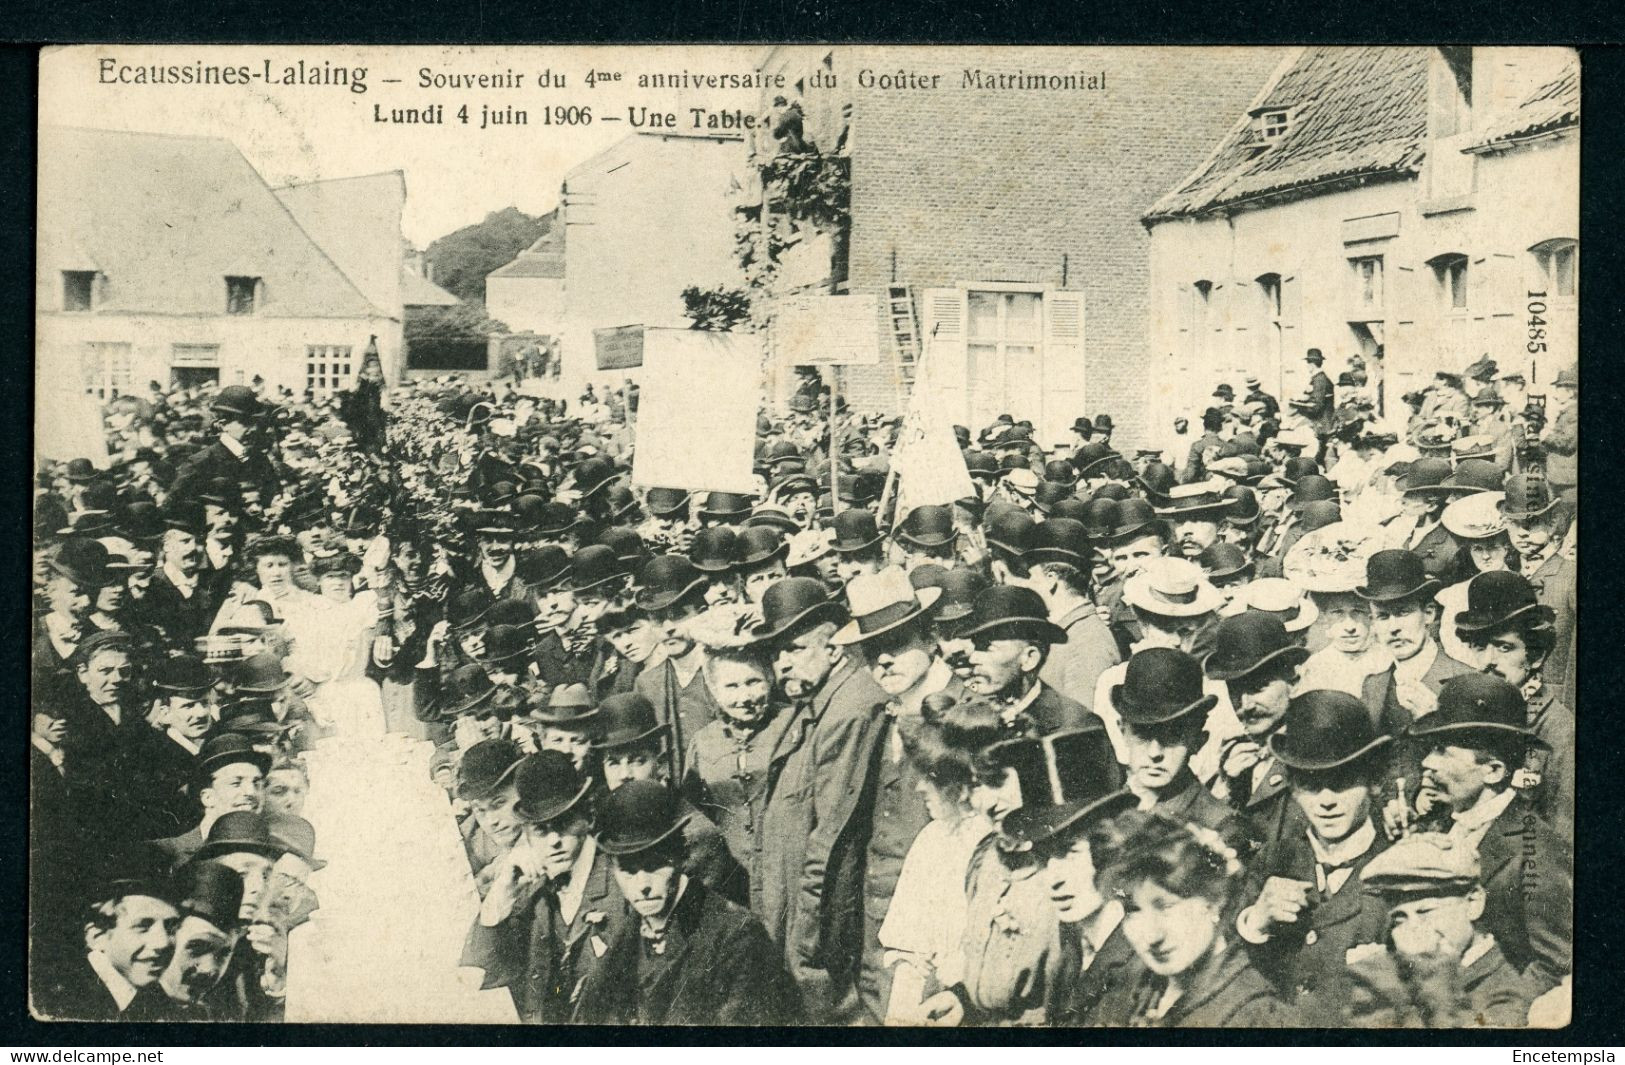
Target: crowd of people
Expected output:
[1274,731]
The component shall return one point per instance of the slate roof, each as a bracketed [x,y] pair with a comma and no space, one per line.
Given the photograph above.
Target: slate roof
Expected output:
[1353,113]
[168,218]
[1555,105]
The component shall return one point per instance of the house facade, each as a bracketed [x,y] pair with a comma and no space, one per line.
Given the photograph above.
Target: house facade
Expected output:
[527,294]
[169,259]
[1414,206]
[1010,214]
[642,221]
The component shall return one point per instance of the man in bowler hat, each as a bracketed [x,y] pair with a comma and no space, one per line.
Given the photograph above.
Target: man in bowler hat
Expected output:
[1011,636]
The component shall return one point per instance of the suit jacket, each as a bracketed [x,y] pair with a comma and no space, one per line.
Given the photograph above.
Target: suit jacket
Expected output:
[1441,555]
[216,461]
[81,996]
[181,620]
[1226,992]
[1078,992]
[1305,959]
[1317,407]
[682,709]
[1548,778]
[1528,877]
[1073,668]
[541,960]
[1187,800]
[1051,712]
[723,968]
[1554,582]
[826,931]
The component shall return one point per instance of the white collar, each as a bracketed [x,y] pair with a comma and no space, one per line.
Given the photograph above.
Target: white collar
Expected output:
[576,885]
[233,445]
[122,990]
[1488,807]
[1415,667]
[1479,947]
[185,743]
[1534,562]
[1344,851]
[183,584]
[1008,714]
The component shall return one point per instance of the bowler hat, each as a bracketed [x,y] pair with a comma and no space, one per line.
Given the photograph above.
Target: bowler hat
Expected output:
[1061,472]
[81,471]
[211,891]
[241,830]
[253,717]
[666,579]
[637,816]
[1528,495]
[83,561]
[1010,612]
[1072,509]
[1326,729]
[627,545]
[1312,488]
[881,602]
[1223,560]
[594,567]
[982,466]
[1476,476]
[1134,518]
[467,609]
[1476,704]
[1569,378]
[297,836]
[468,688]
[1395,574]
[181,674]
[725,507]
[774,518]
[557,518]
[667,502]
[715,549]
[1099,517]
[626,719]
[927,526]
[1427,476]
[567,704]
[1083,426]
[1006,530]
[485,767]
[506,643]
[1248,641]
[1051,493]
[222,492]
[510,612]
[1103,423]
[1496,599]
[1161,684]
[139,521]
[229,748]
[549,786]
[1093,457]
[795,604]
[760,544]
[543,569]
[1158,479]
[238,400]
[594,474]
[260,674]
[863,487]
[1058,540]
[960,586]
[1068,779]
[1244,507]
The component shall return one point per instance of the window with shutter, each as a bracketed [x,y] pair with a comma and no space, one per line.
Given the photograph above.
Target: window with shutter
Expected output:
[943,328]
[1064,396]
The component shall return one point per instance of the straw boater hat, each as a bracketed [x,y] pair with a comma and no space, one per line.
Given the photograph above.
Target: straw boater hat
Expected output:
[1475,517]
[1280,597]
[1172,587]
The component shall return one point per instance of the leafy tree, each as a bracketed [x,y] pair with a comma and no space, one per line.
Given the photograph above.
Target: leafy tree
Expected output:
[717,309]
[462,259]
[463,321]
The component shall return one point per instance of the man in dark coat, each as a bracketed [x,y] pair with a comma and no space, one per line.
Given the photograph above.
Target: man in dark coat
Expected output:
[1318,405]
[1163,711]
[129,937]
[684,955]
[1304,904]
[1011,636]
[551,908]
[236,456]
[1471,747]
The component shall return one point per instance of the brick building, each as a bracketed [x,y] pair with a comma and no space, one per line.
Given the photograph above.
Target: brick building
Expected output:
[1418,202]
[1012,214]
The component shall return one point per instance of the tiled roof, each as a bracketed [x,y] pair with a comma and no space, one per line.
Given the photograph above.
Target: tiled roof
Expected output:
[545,258]
[1353,112]
[168,218]
[1554,105]
[357,222]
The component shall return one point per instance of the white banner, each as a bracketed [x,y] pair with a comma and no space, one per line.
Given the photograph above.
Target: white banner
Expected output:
[827,331]
[927,461]
[697,405]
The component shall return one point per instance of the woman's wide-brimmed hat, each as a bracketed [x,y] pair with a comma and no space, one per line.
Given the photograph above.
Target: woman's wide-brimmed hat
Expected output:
[1476,516]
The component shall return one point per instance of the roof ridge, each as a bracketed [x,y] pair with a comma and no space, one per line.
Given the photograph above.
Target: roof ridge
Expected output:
[397,171]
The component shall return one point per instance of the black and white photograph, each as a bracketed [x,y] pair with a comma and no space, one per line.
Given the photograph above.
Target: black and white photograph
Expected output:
[799,535]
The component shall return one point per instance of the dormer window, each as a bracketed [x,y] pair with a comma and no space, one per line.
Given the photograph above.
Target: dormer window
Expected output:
[1272,124]
[240,294]
[78,290]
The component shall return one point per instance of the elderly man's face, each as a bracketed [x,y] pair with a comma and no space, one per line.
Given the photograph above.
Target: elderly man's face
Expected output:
[1260,699]
[1436,926]
[180,549]
[1456,777]
[107,676]
[202,954]
[802,663]
[141,941]
[238,786]
[898,660]
[997,666]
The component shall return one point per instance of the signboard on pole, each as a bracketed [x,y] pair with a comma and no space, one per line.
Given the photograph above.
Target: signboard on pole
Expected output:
[927,463]
[69,426]
[619,347]
[827,331]
[696,428]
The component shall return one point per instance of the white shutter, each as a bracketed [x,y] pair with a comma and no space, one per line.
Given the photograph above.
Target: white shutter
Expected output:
[942,335]
[1293,345]
[1063,364]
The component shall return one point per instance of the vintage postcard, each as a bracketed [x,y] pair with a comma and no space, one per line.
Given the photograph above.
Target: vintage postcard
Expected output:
[806,535]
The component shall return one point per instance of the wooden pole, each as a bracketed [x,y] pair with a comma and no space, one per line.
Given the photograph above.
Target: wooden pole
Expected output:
[834,461]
